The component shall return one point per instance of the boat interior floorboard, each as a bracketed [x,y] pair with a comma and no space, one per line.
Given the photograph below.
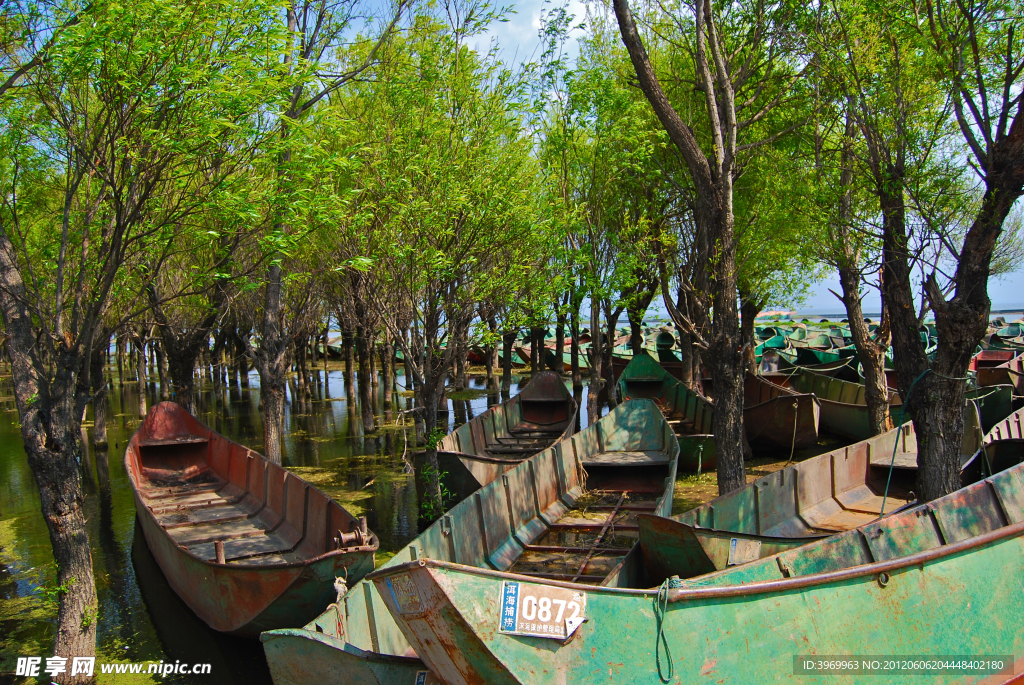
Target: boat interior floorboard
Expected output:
[588,542]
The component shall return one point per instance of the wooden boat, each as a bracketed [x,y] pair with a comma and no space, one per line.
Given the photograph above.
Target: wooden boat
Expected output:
[524,352]
[768,417]
[480,450]
[777,417]
[530,518]
[815,498]
[995,403]
[844,410]
[937,578]
[246,544]
[994,341]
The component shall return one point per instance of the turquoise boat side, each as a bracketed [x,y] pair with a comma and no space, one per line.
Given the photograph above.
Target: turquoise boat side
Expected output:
[943,578]
[672,548]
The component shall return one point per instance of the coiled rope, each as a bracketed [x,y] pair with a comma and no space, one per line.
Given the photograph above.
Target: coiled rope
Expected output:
[660,609]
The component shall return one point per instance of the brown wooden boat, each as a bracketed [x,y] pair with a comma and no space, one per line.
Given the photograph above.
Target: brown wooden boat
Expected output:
[492,443]
[1008,372]
[776,416]
[246,544]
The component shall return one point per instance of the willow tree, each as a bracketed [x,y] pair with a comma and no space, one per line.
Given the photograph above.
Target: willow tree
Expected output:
[608,195]
[103,161]
[744,59]
[445,194]
[320,59]
[917,79]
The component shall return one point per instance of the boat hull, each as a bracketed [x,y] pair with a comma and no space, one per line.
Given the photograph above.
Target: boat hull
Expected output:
[319,655]
[248,601]
[967,602]
[195,490]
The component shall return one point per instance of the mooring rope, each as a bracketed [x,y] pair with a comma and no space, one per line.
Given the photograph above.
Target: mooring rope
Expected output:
[660,609]
[903,411]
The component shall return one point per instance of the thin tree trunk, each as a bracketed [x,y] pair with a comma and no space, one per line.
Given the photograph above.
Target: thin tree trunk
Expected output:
[365,383]
[574,347]
[596,364]
[99,389]
[348,351]
[508,340]
[559,364]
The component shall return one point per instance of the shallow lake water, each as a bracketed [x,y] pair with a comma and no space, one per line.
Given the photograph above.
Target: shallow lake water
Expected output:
[140,617]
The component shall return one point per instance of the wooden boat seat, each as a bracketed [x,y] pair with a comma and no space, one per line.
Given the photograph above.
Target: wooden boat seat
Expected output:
[626,458]
[844,520]
[865,500]
[904,460]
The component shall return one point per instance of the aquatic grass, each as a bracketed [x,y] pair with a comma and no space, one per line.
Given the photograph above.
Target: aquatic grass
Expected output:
[25,620]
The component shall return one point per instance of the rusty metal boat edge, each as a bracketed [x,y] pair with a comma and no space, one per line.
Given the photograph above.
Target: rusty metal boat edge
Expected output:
[938,578]
[245,598]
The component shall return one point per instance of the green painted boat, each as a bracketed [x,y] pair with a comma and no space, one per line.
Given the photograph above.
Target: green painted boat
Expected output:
[778,342]
[995,403]
[671,547]
[528,516]
[820,496]
[942,578]
[773,362]
[936,579]
[844,410]
[688,412]
[994,341]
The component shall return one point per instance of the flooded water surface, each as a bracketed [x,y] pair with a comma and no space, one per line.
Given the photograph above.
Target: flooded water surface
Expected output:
[140,617]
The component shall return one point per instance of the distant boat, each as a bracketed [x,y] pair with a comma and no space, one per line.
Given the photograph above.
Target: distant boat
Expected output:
[1008,372]
[568,512]
[844,410]
[777,416]
[246,544]
[501,437]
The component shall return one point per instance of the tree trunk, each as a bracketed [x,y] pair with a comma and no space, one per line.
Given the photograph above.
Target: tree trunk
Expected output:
[559,365]
[387,364]
[574,347]
[348,351]
[140,369]
[50,430]
[871,354]
[508,340]
[119,351]
[161,369]
[364,381]
[97,378]
[596,364]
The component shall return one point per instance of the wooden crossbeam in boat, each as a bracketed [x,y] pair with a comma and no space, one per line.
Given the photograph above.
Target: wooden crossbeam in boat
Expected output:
[178,490]
[187,524]
[203,504]
[600,536]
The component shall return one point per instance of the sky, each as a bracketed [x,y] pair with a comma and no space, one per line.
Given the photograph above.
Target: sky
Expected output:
[518,40]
